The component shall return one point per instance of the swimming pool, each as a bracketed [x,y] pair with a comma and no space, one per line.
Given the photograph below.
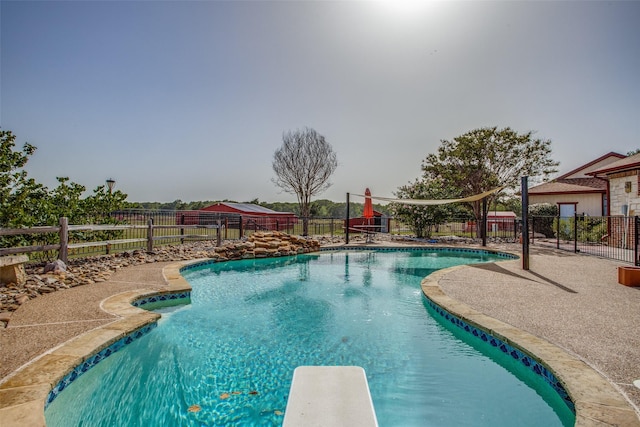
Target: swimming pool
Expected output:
[227,359]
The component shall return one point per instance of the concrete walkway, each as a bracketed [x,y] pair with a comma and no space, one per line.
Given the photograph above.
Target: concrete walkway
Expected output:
[572,301]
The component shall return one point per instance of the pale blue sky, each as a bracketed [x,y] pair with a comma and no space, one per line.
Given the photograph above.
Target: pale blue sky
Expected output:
[189,99]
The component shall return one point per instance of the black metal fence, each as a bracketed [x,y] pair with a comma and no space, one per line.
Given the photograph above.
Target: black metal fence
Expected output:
[613,237]
[147,229]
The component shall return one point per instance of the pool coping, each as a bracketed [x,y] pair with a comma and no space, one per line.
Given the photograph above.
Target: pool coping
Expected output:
[596,401]
[24,395]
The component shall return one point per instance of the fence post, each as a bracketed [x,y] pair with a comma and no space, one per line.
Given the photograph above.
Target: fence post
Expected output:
[575,232]
[182,228]
[524,190]
[346,224]
[63,252]
[483,227]
[558,232]
[636,262]
[219,242]
[150,235]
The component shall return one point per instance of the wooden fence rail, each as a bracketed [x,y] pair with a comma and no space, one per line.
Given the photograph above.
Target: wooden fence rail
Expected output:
[64,228]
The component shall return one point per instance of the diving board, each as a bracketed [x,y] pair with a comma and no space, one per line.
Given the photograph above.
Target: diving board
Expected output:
[329,396]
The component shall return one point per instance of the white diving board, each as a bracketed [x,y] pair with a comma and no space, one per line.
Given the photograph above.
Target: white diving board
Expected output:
[329,396]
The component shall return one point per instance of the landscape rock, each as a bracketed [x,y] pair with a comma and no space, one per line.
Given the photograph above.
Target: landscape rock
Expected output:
[56,266]
[47,277]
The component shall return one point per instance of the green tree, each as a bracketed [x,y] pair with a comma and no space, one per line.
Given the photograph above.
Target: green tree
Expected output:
[26,203]
[423,219]
[20,196]
[66,200]
[103,205]
[486,158]
[508,202]
[303,165]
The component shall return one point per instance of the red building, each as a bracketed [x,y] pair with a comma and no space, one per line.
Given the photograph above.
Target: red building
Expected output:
[496,221]
[255,216]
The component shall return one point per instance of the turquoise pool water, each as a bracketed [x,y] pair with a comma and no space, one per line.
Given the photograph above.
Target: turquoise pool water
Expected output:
[230,354]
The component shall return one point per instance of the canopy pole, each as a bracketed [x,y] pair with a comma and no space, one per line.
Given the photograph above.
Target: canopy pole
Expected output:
[524,189]
[483,228]
[346,225]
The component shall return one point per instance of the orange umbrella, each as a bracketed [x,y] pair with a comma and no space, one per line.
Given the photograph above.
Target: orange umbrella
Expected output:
[368,206]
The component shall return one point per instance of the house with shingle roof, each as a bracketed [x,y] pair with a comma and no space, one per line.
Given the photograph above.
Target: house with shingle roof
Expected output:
[580,190]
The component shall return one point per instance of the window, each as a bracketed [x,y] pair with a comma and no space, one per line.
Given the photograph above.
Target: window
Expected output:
[567,209]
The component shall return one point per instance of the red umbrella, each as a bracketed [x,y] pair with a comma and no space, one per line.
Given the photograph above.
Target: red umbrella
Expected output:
[368,206]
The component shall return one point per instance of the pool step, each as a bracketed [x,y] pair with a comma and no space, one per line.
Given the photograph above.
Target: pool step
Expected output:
[329,396]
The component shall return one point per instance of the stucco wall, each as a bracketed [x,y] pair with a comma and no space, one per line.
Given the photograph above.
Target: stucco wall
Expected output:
[589,204]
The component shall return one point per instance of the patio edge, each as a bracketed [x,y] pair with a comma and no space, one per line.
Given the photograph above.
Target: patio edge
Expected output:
[597,402]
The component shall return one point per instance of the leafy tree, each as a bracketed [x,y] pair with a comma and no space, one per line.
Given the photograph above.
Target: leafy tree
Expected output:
[509,202]
[26,203]
[423,219]
[485,158]
[102,206]
[66,200]
[303,165]
[18,193]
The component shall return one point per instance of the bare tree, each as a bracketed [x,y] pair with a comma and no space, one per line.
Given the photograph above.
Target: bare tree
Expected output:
[303,165]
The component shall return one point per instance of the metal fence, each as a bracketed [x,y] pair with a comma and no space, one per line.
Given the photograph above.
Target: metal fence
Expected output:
[148,229]
[613,237]
[502,228]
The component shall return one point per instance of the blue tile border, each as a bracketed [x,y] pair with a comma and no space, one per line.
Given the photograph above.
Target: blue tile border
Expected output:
[94,360]
[141,302]
[116,346]
[420,249]
[517,354]
[445,249]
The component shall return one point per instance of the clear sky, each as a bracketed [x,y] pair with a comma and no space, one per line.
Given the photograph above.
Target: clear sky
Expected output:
[189,99]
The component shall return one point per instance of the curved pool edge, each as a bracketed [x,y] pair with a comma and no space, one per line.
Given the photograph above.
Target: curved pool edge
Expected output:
[25,394]
[596,400]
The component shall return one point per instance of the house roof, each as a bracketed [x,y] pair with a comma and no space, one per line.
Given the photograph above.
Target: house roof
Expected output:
[628,163]
[586,180]
[248,208]
[609,158]
[570,185]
